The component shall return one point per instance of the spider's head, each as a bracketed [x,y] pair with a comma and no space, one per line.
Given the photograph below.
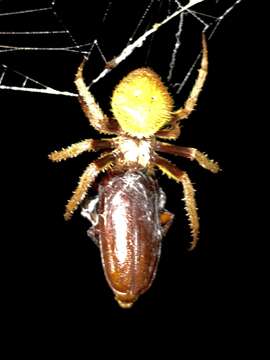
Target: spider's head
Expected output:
[141,103]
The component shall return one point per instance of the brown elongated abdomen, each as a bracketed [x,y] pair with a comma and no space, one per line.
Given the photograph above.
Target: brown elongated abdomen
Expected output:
[130,233]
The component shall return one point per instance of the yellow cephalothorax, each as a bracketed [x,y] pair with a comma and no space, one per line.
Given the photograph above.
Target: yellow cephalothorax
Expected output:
[141,103]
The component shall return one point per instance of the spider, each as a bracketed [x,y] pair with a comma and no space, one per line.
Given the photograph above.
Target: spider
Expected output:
[143,116]
[143,113]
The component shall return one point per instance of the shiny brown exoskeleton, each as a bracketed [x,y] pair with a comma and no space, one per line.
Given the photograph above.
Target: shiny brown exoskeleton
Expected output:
[128,223]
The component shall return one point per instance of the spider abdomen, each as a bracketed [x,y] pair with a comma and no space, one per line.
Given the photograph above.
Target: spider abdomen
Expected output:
[141,103]
[130,233]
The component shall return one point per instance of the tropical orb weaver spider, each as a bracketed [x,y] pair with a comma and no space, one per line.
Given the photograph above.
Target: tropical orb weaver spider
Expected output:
[128,217]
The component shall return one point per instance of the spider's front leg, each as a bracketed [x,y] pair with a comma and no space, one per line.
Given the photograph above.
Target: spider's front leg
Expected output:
[90,107]
[189,194]
[80,147]
[87,178]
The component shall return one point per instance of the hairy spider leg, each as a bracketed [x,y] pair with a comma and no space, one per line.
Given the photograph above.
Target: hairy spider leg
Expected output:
[191,102]
[173,131]
[90,107]
[101,164]
[189,194]
[170,132]
[76,149]
[189,153]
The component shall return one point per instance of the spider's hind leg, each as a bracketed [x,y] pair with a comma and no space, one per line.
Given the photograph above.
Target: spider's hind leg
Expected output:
[190,104]
[90,107]
[173,130]
[170,132]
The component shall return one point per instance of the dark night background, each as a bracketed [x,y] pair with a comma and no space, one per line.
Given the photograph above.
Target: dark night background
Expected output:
[55,283]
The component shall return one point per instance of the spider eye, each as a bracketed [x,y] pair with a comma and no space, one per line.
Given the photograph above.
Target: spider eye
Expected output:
[141,103]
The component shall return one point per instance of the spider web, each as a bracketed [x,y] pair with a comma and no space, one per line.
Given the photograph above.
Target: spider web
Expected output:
[53,32]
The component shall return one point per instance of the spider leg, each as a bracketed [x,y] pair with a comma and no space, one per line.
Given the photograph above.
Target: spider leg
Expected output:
[191,102]
[78,148]
[189,194]
[170,132]
[189,153]
[90,107]
[87,178]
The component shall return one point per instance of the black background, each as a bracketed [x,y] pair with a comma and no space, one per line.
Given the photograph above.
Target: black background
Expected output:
[55,284]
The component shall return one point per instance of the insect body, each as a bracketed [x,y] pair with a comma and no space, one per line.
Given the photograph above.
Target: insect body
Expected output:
[143,116]
[129,224]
